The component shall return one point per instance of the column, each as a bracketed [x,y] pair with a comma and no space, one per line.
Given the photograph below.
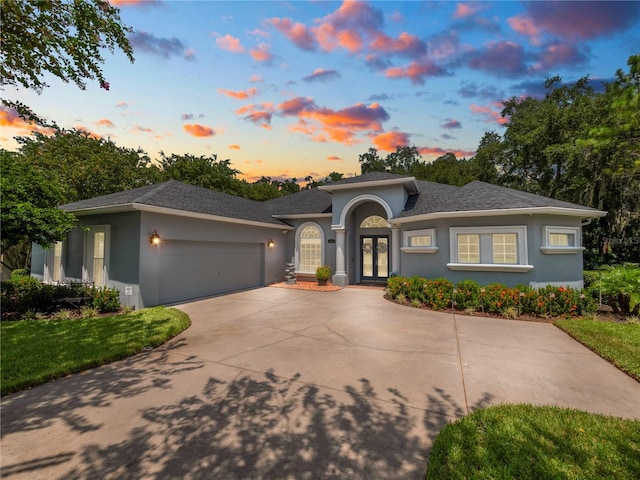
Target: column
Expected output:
[340,277]
[395,250]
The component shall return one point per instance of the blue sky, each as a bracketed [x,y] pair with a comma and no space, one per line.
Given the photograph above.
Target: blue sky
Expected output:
[290,89]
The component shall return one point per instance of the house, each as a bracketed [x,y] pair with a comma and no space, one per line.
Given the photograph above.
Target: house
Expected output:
[172,242]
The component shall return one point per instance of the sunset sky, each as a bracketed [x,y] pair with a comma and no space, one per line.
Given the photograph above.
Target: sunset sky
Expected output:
[290,89]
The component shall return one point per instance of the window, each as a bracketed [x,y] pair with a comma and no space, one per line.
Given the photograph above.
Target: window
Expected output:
[489,248]
[374,221]
[96,255]
[505,246]
[309,248]
[468,248]
[561,240]
[420,241]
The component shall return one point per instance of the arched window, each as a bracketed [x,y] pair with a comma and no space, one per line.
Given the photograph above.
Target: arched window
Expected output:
[310,254]
[374,221]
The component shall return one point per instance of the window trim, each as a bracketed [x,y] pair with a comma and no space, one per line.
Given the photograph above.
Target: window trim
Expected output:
[548,249]
[50,263]
[297,246]
[87,254]
[406,240]
[522,255]
[385,224]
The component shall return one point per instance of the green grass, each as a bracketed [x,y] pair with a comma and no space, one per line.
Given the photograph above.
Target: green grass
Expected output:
[527,442]
[617,342]
[37,351]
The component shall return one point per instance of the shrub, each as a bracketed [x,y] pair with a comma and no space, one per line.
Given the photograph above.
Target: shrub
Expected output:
[467,295]
[618,283]
[495,298]
[106,300]
[323,272]
[19,272]
[23,293]
[439,293]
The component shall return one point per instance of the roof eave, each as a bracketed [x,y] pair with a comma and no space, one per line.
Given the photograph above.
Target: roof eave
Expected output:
[569,212]
[409,182]
[296,216]
[130,207]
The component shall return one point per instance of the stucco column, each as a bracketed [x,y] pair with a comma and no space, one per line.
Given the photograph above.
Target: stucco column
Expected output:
[340,277]
[395,250]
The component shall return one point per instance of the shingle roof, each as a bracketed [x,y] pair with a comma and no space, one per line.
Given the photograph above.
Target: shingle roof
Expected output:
[300,203]
[431,198]
[181,196]
[437,198]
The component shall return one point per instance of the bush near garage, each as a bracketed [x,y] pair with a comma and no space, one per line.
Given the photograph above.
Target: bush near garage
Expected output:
[23,294]
[441,294]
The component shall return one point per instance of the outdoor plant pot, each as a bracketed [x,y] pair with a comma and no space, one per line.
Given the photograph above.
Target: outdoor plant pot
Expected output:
[323,273]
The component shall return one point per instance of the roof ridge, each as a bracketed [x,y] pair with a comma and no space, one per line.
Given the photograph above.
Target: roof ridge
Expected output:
[157,188]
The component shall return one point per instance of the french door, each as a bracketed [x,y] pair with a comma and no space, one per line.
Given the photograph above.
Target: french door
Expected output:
[374,257]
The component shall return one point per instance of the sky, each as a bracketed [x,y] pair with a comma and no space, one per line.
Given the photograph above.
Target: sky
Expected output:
[288,89]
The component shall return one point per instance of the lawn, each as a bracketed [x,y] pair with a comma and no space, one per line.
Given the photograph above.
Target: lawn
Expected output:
[525,442]
[37,351]
[617,342]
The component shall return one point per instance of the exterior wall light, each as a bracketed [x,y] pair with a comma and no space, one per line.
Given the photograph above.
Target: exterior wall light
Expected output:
[154,239]
[270,243]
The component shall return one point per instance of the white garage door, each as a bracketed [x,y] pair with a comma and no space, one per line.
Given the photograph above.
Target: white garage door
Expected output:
[199,269]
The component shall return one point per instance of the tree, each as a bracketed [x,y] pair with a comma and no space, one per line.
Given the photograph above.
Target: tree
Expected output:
[85,166]
[446,169]
[207,172]
[371,162]
[63,38]
[28,213]
[487,157]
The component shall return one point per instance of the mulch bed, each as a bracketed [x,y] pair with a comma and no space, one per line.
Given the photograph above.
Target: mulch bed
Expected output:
[313,286]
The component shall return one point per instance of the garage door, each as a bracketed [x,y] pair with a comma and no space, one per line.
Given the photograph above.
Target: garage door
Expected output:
[199,269]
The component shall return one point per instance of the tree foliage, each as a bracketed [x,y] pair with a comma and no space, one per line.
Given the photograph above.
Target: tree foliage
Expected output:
[63,38]
[27,209]
[85,166]
[580,146]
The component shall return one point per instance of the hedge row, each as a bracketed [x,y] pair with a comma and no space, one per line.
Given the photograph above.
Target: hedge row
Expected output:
[23,293]
[441,294]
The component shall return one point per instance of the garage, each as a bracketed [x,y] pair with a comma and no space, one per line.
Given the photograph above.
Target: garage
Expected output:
[190,269]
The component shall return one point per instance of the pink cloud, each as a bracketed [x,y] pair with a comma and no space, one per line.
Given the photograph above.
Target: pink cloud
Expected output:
[390,141]
[334,158]
[297,33]
[259,114]
[327,124]
[438,151]
[466,10]
[261,53]
[320,74]
[589,20]
[197,130]
[105,122]
[524,26]
[256,79]
[88,132]
[10,118]
[490,112]
[234,147]
[230,44]
[452,123]
[500,57]
[415,71]
[559,54]
[241,94]
[405,44]
[133,3]
[122,104]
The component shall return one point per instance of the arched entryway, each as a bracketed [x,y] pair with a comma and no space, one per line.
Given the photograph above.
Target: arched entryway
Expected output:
[364,242]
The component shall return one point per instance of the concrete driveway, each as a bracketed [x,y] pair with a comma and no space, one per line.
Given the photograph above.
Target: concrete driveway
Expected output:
[287,384]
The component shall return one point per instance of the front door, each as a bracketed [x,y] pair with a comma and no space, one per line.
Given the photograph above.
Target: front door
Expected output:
[374,257]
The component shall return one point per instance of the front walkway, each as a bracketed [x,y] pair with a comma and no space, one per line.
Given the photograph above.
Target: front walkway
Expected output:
[276,383]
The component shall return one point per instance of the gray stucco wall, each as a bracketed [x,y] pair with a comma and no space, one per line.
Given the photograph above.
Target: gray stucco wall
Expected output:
[394,195]
[563,269]
[177,229]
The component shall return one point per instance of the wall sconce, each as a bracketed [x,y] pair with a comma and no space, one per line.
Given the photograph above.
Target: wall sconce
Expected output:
[154,239]
[270,243]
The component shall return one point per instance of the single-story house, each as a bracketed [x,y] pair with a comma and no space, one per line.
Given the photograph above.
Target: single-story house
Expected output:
[172,242]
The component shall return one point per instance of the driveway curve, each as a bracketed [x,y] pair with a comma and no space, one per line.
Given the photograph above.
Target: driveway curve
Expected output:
[287,384]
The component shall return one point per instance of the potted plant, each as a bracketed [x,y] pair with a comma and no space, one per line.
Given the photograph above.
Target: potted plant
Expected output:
[323,272]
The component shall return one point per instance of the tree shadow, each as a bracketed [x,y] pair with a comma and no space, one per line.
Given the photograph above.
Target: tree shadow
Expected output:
[61,399]
[269,427]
